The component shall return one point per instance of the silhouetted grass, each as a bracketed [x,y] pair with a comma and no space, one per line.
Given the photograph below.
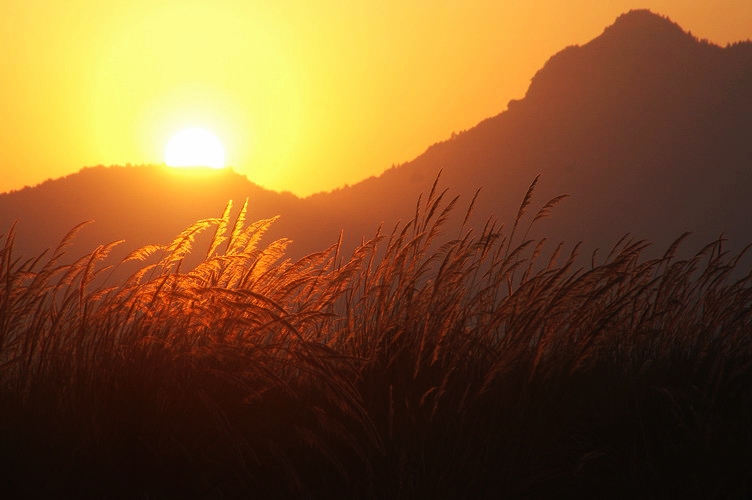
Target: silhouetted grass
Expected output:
[419,367]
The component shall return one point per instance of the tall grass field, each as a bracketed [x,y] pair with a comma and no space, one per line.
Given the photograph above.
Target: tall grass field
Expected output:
[434,361]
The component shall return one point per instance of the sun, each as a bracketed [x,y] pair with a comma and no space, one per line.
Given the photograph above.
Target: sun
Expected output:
[194,147]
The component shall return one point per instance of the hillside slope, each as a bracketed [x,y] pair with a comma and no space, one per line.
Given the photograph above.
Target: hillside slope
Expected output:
[646,128]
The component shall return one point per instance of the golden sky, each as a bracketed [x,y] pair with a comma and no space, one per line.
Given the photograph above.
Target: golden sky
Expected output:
[306,96]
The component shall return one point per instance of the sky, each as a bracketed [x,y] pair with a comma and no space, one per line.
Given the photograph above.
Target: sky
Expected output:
[305,96]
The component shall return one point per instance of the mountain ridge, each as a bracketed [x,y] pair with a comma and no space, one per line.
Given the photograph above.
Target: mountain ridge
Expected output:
[596,108]
[647,128]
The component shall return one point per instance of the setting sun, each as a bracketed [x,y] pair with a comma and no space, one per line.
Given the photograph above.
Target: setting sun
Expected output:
[349,249]
[194,147]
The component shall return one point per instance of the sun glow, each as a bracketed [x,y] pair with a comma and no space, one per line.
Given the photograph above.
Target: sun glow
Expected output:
[194,147]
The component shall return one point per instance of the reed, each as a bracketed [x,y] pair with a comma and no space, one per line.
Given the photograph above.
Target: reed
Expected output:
[419,366]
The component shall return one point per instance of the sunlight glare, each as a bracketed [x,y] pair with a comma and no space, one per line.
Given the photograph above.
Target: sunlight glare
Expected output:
[194,147]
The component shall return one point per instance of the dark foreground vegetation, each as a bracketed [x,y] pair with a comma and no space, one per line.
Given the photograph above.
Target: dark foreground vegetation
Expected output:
[419,367]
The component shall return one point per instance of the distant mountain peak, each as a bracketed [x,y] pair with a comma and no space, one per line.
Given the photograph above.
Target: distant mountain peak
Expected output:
[638,46]
[645,127]
[642,17]
[645,25]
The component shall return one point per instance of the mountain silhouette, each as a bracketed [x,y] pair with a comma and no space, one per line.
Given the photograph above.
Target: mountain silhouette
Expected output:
[141,204]
[648,129]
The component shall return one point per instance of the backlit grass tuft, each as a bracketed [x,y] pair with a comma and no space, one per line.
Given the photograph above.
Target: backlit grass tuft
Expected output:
[419,366]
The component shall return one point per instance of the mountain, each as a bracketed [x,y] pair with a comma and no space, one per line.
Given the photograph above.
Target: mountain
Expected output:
[142,204]
[648,129]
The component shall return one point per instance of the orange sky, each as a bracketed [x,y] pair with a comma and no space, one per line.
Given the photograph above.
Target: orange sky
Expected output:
[306,96]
